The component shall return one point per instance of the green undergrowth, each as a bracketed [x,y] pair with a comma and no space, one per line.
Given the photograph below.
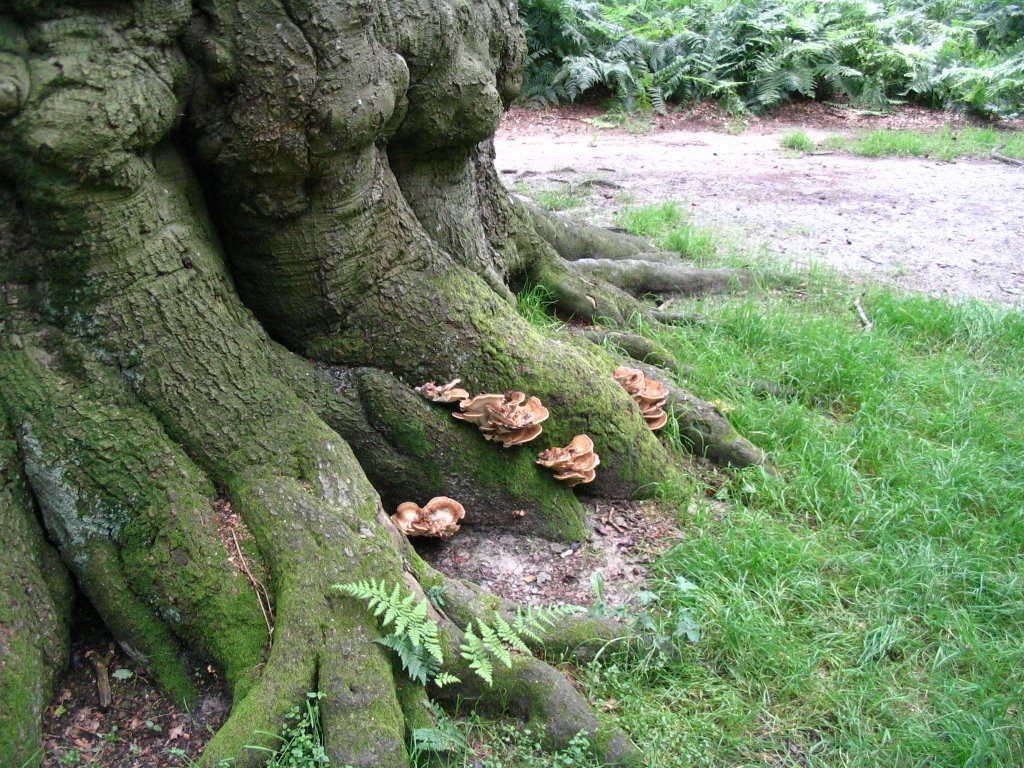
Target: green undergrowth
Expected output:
[559,199]
[471,742]
[798,141]
[670,225]
[753,56]
[866,606]
[947,144]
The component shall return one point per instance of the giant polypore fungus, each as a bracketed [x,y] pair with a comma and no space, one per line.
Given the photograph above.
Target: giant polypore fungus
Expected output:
[445,393]
[649,394]
[505,418]
[576,463]
[440,517]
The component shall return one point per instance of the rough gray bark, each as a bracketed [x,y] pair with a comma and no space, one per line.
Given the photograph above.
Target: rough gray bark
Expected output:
[233,235]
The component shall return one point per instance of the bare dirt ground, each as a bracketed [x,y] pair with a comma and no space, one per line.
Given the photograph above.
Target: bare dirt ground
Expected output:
[942,228]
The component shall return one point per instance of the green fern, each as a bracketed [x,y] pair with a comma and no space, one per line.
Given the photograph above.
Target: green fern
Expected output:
[415,637]
[475,652]
[499,638]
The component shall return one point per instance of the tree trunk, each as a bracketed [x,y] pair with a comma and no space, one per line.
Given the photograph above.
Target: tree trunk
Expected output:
[235,234]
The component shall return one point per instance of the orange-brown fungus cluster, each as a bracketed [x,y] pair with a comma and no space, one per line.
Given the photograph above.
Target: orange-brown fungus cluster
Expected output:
[576,463]
[446,393]
[649,394]
[440,517]
[505,418]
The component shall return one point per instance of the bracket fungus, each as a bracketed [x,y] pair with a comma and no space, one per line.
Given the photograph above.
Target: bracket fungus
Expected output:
[649,394]
[445,393]
[576,463]
[439,517]
[505,418]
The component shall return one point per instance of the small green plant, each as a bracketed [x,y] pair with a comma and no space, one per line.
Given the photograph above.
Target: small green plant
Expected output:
[558,199]
[653,220]
[499,638]
[630,122]
[534,303]
[798,141]
[524,748]
[416,641]
[414,638]
[446,736]
[947,144]
[301,738]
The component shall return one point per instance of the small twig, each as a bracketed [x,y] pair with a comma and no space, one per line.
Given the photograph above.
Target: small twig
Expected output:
[868,325]
[1004,158]
[100,664]
[261,592]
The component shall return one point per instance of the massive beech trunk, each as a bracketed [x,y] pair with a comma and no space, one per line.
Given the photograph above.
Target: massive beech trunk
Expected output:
[233,235]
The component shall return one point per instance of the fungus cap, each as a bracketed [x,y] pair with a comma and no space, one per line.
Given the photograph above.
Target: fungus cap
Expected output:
[446,393]
[439,517]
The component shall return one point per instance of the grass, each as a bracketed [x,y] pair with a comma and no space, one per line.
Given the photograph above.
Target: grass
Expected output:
[947,144]
[866,607]
[558,199]
[669,224]
[798,141]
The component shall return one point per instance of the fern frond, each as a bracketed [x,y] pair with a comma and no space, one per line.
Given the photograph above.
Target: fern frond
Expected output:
[418,665]
[492,643]
[441,679]
[509,636]
[473,651]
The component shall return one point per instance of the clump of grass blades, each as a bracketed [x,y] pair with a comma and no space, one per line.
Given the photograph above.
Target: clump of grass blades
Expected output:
[798,141]
[534,303]
[558,200]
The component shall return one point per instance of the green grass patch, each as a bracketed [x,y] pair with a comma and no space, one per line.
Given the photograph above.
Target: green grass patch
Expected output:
[798,141]
[534,303]
[558,199]
[947,144]
[865,607]
[670,226]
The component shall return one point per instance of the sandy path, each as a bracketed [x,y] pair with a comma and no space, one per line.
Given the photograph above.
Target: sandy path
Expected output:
[944,228]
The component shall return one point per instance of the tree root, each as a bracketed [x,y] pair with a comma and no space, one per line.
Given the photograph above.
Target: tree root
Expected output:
[573,240]
[705,429]
[35,602]
[413,450]
[132,518]
[636,347]
[640,277]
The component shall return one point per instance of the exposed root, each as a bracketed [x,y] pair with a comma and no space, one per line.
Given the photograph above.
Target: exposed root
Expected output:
[573,240]
[705,429]
[639,277]
[996,155]
[35,600]
[637,347]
